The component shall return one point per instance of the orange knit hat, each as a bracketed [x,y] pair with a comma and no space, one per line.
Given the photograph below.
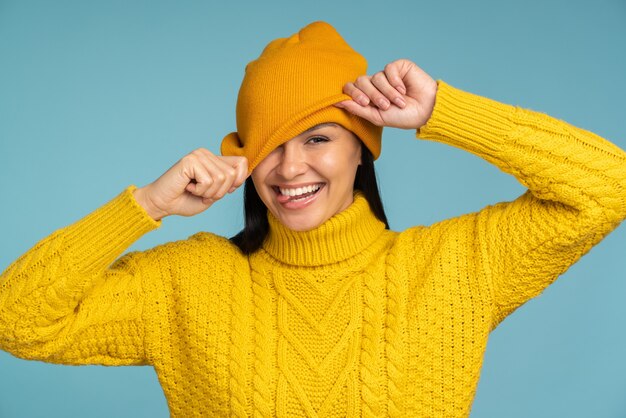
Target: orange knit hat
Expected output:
[292,87]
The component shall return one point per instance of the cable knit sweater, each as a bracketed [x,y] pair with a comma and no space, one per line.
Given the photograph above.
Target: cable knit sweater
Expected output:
[349,319]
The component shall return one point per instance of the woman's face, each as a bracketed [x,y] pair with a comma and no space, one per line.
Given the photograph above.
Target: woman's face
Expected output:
[310,178]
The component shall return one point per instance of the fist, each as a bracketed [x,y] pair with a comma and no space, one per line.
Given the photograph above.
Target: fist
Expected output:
[400,96]
[193,184]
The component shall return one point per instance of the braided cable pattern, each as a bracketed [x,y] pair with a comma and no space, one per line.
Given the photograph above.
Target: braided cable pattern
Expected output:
[395,336]
[264,342]
[374,390]
[240,356]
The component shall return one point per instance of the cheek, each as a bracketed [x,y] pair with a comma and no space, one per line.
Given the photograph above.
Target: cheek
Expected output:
[256,177]
[340,166]
[261,171]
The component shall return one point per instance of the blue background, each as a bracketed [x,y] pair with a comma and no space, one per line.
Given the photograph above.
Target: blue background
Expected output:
[98,95]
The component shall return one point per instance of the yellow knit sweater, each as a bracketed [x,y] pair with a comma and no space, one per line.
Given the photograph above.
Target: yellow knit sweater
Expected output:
[349,319]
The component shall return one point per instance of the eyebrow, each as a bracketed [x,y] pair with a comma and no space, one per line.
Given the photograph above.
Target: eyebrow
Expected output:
[321,125]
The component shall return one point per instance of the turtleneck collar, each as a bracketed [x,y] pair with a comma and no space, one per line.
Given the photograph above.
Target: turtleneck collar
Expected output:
[339,238]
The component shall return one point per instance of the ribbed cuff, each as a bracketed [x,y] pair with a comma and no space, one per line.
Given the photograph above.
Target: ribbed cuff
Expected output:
[468,121]
[102,236]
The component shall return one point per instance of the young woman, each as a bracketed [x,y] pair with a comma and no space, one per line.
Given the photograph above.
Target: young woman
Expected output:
[316,308]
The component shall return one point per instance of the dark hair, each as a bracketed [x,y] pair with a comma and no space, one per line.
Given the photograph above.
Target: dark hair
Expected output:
[251,237]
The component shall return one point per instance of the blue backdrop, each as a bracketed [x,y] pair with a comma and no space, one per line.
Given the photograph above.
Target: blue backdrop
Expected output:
[98,95]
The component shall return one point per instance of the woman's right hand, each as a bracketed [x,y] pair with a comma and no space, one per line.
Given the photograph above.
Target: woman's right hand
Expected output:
[193,184]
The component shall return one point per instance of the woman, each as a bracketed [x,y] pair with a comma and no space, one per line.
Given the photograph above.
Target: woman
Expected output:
[316,308]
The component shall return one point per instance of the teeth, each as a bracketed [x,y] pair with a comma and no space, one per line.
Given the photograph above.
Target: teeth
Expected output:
[300,190]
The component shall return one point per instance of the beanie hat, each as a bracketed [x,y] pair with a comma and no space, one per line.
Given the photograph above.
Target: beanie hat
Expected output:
[292,87]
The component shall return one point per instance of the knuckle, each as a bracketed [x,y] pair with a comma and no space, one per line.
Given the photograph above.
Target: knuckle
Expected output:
[202,153]
[378,76]
[393,65]
[185,161]
[349,88]
[188,162]
[362,79]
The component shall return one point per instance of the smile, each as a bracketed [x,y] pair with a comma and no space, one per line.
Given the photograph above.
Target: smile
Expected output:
[300,191]
[297,197]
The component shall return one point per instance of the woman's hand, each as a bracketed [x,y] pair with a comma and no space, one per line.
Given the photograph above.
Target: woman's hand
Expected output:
[400,96]
[193,184]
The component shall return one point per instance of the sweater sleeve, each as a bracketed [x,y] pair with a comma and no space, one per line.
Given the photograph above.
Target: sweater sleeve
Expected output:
[576,193]
[63,301]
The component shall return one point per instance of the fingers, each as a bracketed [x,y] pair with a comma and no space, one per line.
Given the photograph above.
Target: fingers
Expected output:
[240,164]
[211,176]
[365,92]
[380,90]
[395,72]
[381,82]
[357,95]
[220,177]
[400,96]
[369,113]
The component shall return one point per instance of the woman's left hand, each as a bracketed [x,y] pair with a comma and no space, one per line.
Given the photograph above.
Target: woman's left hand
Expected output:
[400,96]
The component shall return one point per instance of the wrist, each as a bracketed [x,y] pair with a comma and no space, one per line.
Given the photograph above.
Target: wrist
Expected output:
[429,103]
[143,199]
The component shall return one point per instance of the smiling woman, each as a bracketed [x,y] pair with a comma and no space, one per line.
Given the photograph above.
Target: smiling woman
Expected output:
[256,228]
[310,178]
[316,308]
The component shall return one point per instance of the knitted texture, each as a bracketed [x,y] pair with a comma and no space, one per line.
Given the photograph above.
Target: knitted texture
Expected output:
[292,87]
[348,319]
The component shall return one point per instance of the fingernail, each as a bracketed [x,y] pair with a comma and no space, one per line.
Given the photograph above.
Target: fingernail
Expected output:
[339,105]
[399,101]
[383,103]
[362,100]
[401,89]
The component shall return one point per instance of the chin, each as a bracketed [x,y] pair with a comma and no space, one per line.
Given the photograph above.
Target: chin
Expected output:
[306,223]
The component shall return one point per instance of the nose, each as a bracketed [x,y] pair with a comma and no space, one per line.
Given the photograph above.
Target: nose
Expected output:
[292,161]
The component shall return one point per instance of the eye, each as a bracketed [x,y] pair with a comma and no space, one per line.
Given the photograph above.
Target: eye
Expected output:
[317,139]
